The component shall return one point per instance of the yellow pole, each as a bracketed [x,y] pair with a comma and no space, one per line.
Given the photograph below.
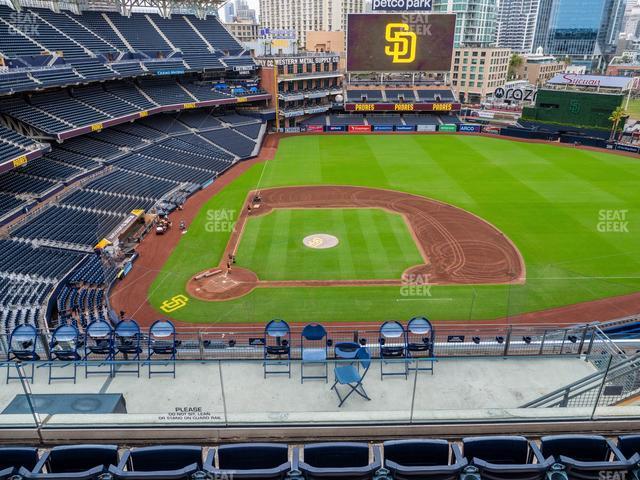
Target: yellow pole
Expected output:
[275,80]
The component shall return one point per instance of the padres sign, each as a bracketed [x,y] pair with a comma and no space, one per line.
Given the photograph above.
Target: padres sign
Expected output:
[399,42]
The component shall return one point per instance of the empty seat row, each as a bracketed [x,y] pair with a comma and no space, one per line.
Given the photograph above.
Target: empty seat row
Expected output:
[584,457]
[68,226]
[106,202]
[129,183]
[24,259]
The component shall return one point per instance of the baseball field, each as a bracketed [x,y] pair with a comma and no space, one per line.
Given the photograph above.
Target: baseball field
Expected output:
[452,227]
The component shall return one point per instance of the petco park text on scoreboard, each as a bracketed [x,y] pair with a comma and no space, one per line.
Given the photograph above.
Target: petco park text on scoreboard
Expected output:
[402,5]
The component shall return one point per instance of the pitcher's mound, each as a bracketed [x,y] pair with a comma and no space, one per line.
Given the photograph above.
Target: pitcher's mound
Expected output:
[218,285]
[320,241]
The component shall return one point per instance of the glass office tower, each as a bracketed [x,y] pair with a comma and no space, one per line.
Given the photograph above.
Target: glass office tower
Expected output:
[586,31]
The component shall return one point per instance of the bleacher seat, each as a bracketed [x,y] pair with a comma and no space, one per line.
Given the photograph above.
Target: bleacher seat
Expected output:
[59,225]
[217,36]
[139,32]
[169,158]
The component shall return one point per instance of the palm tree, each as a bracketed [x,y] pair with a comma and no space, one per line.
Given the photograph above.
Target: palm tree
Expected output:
[616,116]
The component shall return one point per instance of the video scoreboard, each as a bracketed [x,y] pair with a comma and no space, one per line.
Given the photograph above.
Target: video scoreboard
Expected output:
[398,42]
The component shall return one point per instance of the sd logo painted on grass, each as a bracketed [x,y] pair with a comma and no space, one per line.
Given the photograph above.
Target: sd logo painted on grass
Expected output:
[174,303]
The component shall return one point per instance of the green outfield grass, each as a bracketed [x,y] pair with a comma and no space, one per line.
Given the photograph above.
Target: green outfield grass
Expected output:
[373,244]
[550,200]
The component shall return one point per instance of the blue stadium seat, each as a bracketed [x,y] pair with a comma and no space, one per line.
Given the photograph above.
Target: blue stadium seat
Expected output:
[506,458]
[629,446]
[265,461]
[584,456]
[347,461]
[423,459]
[163,462]
[12,459]
[74,462]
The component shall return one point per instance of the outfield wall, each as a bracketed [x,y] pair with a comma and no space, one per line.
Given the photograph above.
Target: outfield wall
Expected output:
[571,108]
[462,128]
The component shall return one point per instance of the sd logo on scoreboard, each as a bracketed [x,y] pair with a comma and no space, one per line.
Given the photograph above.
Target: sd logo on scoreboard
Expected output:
[400,42]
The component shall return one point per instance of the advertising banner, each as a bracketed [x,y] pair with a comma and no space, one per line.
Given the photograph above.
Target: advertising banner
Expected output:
[336,128]
[315,128]
[627,148]
[426,128]
[383,128]
[447,127]
[399,42]
[469,128]
[405,128]
[359,128]
[402,107]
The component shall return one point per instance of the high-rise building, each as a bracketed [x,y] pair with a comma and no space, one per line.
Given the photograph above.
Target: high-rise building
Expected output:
[244,13]
[303,16]
[585,31]
[475,21]
[517,20]
[229,12]
[478,71]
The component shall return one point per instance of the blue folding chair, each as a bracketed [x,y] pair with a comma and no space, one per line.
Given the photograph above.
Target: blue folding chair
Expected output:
[277,348]
[353,376]
[63,347]
[127,338]
[22,348]
[420,344]
[313,345]
[163,343]
[98,342]
[393,348]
